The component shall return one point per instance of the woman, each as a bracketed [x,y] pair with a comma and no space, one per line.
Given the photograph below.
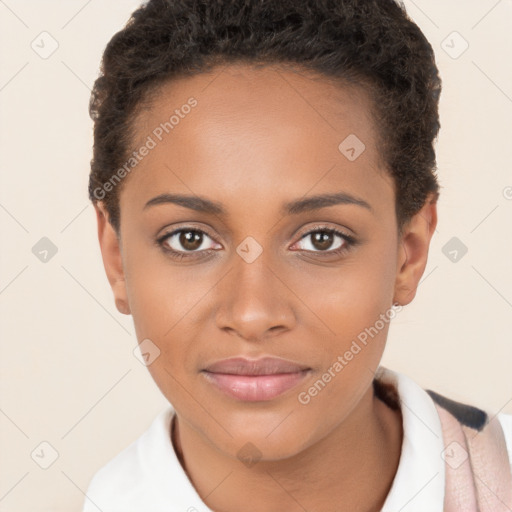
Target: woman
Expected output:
[265,188]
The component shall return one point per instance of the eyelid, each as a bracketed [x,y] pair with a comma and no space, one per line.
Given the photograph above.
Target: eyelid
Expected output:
[171,230]
[327,227]
[188,227]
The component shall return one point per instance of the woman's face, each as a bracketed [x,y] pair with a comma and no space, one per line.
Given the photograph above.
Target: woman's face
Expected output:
[245,263]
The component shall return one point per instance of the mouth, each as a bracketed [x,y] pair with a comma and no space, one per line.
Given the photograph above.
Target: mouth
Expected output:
[254,380]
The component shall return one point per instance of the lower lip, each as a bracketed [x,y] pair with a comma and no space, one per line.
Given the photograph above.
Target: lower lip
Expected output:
[253,388]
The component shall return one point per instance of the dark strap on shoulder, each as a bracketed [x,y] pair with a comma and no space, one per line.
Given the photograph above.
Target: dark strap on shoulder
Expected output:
[466,414]
[478,475]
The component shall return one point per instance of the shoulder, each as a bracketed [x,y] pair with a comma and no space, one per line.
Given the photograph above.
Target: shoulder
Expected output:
[121,476]
[506,423]
[394,387]
[477,421]
[125,481]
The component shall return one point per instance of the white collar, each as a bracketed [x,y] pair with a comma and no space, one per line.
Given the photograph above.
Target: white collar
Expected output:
[147,475]
[420,479]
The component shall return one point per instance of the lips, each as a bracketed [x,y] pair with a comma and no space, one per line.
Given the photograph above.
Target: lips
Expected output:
[261,366]
[255,379]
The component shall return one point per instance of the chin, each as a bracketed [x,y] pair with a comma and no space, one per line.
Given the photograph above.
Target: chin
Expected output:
[253,449]
[264,438]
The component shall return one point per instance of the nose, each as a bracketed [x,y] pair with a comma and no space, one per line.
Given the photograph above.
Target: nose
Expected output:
[254,301]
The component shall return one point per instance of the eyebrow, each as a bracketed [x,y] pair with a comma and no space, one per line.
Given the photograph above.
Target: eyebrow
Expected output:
[201,204]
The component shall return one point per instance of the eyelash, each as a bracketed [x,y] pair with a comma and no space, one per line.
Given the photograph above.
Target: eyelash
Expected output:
[350,242]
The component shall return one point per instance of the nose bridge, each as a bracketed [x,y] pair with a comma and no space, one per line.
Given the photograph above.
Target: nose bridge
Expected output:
[252,299]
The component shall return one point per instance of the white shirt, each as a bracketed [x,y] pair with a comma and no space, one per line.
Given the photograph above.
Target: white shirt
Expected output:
[147,475]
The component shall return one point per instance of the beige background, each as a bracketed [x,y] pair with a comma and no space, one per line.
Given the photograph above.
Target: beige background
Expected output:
[68,374]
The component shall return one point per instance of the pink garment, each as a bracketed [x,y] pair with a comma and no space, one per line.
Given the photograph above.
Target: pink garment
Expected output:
[478,475]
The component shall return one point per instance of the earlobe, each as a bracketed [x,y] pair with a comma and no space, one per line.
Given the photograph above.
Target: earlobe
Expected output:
[112,258]
[413,251]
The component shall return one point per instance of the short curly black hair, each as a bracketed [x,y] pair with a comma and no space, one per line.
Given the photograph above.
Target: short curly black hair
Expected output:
[372,43]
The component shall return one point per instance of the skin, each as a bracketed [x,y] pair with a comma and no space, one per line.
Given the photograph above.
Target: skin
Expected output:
[257,139]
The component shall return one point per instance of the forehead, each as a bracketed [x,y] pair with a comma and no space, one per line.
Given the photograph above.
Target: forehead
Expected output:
[254,130]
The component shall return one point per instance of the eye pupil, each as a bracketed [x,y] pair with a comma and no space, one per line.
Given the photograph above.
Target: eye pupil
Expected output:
[322,240]
[189,240]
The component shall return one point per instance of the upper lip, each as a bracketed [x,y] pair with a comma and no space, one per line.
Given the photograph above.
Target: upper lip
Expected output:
[261,366]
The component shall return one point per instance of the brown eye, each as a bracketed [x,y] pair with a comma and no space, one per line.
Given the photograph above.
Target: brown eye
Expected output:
[190,240]
[324,240]
[182,241]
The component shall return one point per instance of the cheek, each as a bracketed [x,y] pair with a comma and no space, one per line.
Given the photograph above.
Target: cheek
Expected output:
[162,312]
[351,296]
[354,303]
[162,300]
[162,305]
[162,294]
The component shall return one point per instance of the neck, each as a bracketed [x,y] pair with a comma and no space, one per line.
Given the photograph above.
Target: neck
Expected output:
[351,469]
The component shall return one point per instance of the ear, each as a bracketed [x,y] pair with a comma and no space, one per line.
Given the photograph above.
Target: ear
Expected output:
[112,259]
[413,251]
